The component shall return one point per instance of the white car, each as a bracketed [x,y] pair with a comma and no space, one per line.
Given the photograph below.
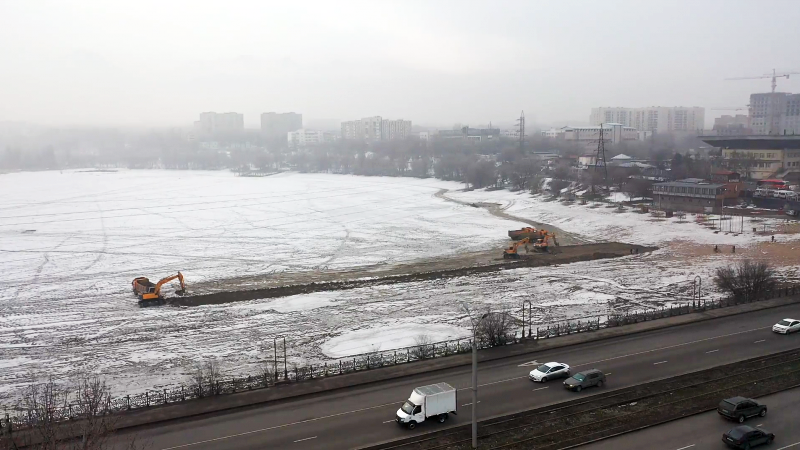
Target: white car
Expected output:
[549,371]
[786,326]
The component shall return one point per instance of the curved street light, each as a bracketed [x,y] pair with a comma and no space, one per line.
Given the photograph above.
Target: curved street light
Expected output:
[475,324]
[530,317]
[275,348]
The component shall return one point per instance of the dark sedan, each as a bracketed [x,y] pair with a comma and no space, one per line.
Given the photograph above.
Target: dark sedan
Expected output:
[745,437]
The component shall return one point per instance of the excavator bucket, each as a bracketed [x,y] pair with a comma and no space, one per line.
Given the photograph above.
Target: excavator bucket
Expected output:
[180,291]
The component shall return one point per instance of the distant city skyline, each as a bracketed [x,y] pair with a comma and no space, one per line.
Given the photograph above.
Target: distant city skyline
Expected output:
[439,63]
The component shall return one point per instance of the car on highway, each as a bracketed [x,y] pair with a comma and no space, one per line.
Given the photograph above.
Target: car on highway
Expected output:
[786,326]
[585,379]
[549,371]
[740,408]
[745,437]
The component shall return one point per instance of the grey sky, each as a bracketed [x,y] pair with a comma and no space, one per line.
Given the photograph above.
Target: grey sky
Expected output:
[434,62]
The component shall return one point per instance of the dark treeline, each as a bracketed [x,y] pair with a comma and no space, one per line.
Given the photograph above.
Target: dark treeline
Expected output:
[491,163]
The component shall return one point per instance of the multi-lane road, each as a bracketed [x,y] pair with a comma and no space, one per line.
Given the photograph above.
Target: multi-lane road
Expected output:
[704,431]
[363,415]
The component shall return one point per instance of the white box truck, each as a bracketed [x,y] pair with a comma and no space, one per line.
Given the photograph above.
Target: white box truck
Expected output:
[427,402]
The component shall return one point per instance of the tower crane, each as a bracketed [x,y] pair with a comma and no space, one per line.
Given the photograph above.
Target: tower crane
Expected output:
[774,76]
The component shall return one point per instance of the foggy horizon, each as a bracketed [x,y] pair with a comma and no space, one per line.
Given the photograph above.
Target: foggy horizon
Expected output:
[148,64]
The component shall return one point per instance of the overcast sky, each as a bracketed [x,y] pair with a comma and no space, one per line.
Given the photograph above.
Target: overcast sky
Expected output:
[435,62]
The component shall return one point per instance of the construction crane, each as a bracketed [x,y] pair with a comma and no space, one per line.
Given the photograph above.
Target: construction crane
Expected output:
[774,76]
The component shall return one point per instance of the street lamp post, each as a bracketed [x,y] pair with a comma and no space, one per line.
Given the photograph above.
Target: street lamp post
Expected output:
[474,374]
[275,348]
[530,317]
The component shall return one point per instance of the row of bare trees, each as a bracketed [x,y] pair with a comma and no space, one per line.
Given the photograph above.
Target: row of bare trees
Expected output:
[56,416]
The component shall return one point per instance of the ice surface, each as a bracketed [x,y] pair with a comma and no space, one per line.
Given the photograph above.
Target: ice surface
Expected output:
[389,338]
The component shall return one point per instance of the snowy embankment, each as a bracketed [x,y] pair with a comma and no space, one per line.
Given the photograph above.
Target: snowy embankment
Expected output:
[603,222]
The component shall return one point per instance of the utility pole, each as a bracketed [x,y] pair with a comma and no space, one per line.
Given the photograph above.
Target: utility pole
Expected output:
[475,325]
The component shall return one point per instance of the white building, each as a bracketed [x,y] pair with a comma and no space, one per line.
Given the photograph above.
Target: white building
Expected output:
[661,119]
[613,133]
[303,137]
[211,122]
[376,129]
[775,113]
[553,133]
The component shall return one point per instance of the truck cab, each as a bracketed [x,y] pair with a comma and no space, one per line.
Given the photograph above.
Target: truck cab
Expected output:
[435,401]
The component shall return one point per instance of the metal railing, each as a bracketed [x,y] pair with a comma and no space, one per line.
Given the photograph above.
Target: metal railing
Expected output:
[368,361]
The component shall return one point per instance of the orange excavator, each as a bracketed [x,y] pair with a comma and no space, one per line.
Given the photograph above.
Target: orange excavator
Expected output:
[150,293]
[543,244]
[511,251]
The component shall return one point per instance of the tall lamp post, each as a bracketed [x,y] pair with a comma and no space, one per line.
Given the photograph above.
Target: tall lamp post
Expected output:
[530,317]
[698,282]
[275,348]
[475,324]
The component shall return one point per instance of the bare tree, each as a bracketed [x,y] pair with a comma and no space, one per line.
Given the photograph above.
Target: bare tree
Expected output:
[745,281]
[496,327]
[60,417]
[423,347]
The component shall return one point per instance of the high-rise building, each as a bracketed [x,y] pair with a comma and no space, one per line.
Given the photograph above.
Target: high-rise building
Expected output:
[376,129]
[395,129]
[211,122]
[303,137]
[278,124]
[775,113]
[662,119]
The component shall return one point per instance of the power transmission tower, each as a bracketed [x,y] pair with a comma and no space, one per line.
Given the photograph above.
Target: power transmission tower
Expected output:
[601,155]
[521,131]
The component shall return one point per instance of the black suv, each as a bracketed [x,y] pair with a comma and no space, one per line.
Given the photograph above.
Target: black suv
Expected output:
[740,408]
[744,437]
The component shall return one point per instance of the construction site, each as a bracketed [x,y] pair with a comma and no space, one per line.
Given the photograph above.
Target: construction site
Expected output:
[338,265]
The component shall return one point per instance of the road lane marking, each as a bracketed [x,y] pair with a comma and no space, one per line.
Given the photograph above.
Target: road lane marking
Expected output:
[660,362]
[539,389]
[688,446]
[222,438]
[711,351]
[388,421]
[756,342]
[529,363]
[245,433]
[609,373]
[789,446]
[759,425]
[671,346]
[467,404]
[489,384]
[306,439]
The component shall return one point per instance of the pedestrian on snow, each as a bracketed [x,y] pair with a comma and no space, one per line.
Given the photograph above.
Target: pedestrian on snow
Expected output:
[773,238]
[733,249]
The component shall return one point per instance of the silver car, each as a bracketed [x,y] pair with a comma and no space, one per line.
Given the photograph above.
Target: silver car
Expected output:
[786,326]
[549,371]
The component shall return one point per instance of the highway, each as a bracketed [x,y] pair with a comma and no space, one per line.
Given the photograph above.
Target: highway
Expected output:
[704,431]
[363,415]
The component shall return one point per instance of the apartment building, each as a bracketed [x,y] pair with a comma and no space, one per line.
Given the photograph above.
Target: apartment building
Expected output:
[211,123]
[303,137]
[661,119]
[376,129]
[775,113]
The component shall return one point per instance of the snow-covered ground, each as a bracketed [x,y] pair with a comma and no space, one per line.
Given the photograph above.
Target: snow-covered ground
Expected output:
[604,222]
[71,243]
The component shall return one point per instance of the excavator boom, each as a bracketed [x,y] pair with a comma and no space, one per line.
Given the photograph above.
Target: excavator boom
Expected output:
[149,292]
